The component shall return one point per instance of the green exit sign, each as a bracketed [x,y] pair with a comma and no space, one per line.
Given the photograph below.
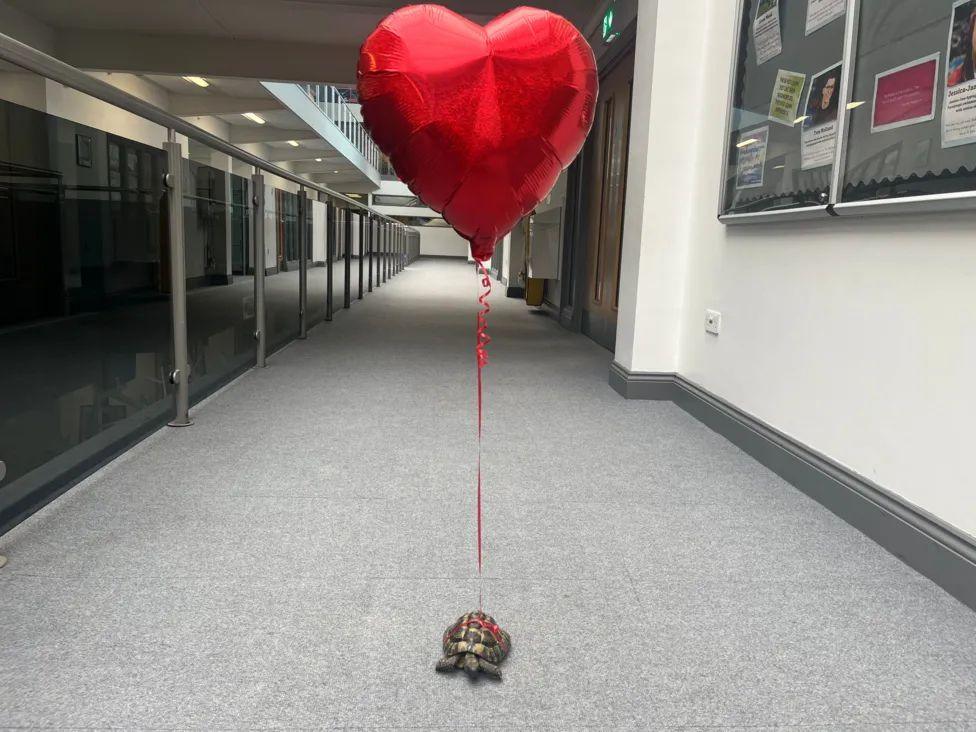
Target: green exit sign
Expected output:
[609,36]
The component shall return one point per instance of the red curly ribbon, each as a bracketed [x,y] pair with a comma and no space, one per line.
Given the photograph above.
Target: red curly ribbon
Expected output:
[481,351]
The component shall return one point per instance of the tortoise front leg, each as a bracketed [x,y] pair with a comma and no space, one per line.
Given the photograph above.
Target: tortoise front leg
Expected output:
[490,668]
[449,663]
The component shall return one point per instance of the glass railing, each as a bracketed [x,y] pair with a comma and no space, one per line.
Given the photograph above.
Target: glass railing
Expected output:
[144,263]
[333,104]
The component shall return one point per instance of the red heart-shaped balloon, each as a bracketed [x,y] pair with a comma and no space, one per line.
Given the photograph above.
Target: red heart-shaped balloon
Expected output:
[478,122]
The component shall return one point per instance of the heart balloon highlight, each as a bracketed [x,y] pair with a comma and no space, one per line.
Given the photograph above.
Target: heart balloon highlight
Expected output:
[478,121]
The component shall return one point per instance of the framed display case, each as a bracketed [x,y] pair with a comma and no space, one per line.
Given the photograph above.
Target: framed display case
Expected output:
[850,107]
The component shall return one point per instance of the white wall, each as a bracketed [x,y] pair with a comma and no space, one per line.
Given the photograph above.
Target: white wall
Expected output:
[83,109]
[854,337]
[434,241]
[23,88]
[441,241]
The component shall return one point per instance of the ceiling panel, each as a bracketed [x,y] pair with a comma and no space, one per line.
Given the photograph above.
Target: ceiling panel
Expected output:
[162,16]
[312,21]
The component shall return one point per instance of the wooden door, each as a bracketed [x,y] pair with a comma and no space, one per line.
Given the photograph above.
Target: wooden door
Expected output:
[604,190]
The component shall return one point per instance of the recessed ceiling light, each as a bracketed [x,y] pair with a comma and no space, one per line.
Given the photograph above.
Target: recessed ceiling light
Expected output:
[253,117]
[335,171]
[746,143]
[293,143]
[198,80]
[318,160]
[854,105]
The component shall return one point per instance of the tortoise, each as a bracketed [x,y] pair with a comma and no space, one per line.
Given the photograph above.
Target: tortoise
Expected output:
[474,642]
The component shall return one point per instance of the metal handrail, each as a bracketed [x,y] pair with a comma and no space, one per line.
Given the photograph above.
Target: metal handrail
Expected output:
[31,59]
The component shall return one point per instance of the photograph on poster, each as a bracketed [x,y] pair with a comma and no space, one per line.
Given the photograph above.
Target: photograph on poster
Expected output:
[823,12]
[819,136]
[766,31]
[751,164]
[905,95]
[787,92]
[959,107]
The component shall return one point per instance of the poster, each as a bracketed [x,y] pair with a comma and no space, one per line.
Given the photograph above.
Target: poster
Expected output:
[819,136]
[905,95]
[766,31]
[786,97]
[823,12]
[959,107]
[750,168]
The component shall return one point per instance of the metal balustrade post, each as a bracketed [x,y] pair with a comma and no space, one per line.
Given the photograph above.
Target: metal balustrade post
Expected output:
[330,243]
[383,233]
[362,243]
[257,242]
[370,231]
[180,376]
[302,265]
[380,245]
[389,252]
[380,224]
[347,264]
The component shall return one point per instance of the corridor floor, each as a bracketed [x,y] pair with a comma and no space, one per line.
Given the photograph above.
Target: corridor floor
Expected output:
[293,558]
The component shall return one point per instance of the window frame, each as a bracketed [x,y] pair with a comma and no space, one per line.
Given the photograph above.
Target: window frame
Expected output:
[835,207]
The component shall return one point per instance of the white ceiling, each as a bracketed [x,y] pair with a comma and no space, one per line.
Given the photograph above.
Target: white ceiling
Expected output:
[246,88]
[278,40]
[280,124]
[305,21]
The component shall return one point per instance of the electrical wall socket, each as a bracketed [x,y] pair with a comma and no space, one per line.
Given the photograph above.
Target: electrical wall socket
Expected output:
[713,321]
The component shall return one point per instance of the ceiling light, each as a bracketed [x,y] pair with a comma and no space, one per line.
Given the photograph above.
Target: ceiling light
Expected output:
[335,171]
[798,120]
[778,167]
[318,160]
[198,80]
[854,105]
[253,117]
[293,143]
[746,143]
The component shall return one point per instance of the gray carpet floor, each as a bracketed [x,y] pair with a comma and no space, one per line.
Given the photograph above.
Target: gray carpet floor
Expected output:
[293,558]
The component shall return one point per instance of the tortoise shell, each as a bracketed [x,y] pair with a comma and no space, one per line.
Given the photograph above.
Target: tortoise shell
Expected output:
[475,642]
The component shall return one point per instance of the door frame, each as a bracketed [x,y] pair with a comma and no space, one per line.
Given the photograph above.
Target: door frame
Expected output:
[573,265]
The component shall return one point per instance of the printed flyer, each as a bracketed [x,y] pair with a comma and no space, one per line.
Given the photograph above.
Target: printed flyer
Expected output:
[905,95]
[823,12]
[818,139]
[786,97]
[959,107]
[766,31]
[751,165]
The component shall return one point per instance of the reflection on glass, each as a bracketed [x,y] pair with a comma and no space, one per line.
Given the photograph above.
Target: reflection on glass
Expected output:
[220,299]
[281,282]
[784,120]
[338,260]
[84,297]
[913,131]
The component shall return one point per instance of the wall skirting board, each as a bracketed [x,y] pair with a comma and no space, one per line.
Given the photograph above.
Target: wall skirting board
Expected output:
[931,547]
